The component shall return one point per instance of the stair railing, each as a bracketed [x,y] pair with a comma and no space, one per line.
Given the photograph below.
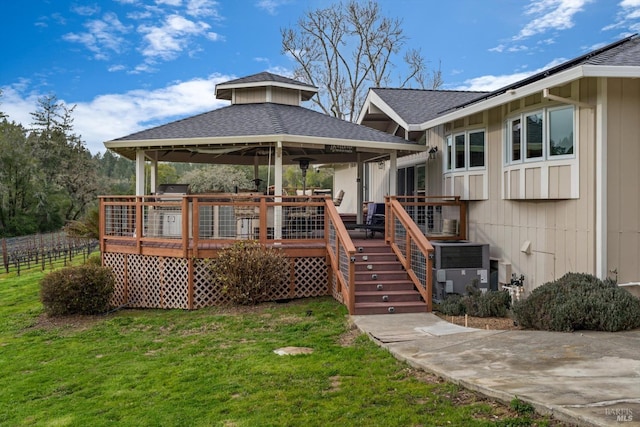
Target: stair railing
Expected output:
[340,256]
[412,248]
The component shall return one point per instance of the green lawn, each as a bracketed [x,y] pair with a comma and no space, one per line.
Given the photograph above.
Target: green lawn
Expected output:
[212,367]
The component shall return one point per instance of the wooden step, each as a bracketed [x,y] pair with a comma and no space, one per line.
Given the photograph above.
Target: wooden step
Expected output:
[377,257]
[382,286]
[388,296]
[380,275]
[366,308]
[378,266]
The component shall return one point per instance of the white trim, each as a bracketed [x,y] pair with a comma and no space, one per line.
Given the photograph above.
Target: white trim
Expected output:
[601,180]
[610,71]
[393,174]
[262,84]
[375,100]
[296,140]
[140,161]
[557,79]
[504,98]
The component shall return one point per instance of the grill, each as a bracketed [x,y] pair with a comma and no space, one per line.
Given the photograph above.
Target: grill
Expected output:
[166,221]
[175,190]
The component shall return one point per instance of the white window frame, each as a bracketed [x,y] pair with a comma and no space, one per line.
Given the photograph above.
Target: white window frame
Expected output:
[464,151]
[525,138]
[451,155]
[448,153]
[546,149]
[548,133]
[484,151]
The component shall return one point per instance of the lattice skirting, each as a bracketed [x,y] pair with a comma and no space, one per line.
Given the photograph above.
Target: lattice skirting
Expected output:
[164,282]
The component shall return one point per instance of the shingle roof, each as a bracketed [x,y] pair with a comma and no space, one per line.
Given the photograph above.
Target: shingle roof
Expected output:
[263,119]
[266,77]
[624,52]
[416,106]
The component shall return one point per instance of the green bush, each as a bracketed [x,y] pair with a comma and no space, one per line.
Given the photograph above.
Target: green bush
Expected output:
[85,289]
[476,303]
[578,301]
[95,259]
[452,306]
[247,271]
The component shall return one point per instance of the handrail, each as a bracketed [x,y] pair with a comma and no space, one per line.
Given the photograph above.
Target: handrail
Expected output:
[419,266]
[340,253]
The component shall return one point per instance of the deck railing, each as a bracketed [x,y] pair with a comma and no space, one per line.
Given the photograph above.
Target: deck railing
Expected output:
[437,217]
[198,226]
[412,248]
[193,225]
[340,253]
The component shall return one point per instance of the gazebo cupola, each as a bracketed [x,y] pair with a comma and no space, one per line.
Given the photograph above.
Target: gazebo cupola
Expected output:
[265,87]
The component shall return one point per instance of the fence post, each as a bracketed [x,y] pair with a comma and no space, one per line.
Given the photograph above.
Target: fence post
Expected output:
[5,259]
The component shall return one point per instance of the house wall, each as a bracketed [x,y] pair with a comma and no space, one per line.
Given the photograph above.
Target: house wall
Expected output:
[560,229]
[250,95]
[285,96]
[623,178]
[344,178]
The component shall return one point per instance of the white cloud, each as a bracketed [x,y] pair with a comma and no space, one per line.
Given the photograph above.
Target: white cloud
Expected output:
[103,36]
[490,83]
[271,6]
[86,10]
[627,17]
[168,40]
[550,15]
[169,2]
[202,8]
[111,116]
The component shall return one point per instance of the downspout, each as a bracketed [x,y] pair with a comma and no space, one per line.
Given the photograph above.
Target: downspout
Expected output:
[601,179]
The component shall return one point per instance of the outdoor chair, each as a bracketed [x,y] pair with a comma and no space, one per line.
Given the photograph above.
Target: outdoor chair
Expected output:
[375,218]
[338,199]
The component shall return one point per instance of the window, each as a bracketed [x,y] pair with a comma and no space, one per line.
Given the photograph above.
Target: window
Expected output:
[449,153]
[516,139]
[539,135]
[465,150]
[476,149]
[561,131]
[460,150]
[533,136]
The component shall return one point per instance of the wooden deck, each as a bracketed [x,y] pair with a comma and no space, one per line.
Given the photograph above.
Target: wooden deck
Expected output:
[160,249]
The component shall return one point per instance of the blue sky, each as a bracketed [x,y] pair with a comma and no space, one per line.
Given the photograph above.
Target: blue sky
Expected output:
[130,64]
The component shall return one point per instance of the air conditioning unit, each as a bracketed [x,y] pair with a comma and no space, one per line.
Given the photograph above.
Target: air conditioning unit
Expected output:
[459,263]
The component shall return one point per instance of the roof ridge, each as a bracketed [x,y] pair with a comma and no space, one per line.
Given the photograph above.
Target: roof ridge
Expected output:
[429,90]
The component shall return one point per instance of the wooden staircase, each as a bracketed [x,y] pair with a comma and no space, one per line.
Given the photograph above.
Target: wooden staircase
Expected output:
[382,286]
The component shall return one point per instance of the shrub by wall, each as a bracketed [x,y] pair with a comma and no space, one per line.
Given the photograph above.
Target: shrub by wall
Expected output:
[578,301]
[247,271]
[476,303]
[84,289]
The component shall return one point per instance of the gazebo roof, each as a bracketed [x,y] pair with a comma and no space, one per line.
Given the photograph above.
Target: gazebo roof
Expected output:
[239,133]
[265,79]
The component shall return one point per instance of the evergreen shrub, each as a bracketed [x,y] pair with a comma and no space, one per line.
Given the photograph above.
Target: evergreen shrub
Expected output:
[248,271]
[578,301]
[84,289]
[476,303]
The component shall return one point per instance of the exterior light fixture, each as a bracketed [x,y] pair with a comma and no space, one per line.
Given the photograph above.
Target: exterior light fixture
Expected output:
[304,167]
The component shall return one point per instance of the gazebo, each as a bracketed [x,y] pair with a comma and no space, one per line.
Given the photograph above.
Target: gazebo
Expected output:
[158,244]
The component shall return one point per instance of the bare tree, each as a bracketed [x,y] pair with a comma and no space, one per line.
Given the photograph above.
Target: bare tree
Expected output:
[347,48]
